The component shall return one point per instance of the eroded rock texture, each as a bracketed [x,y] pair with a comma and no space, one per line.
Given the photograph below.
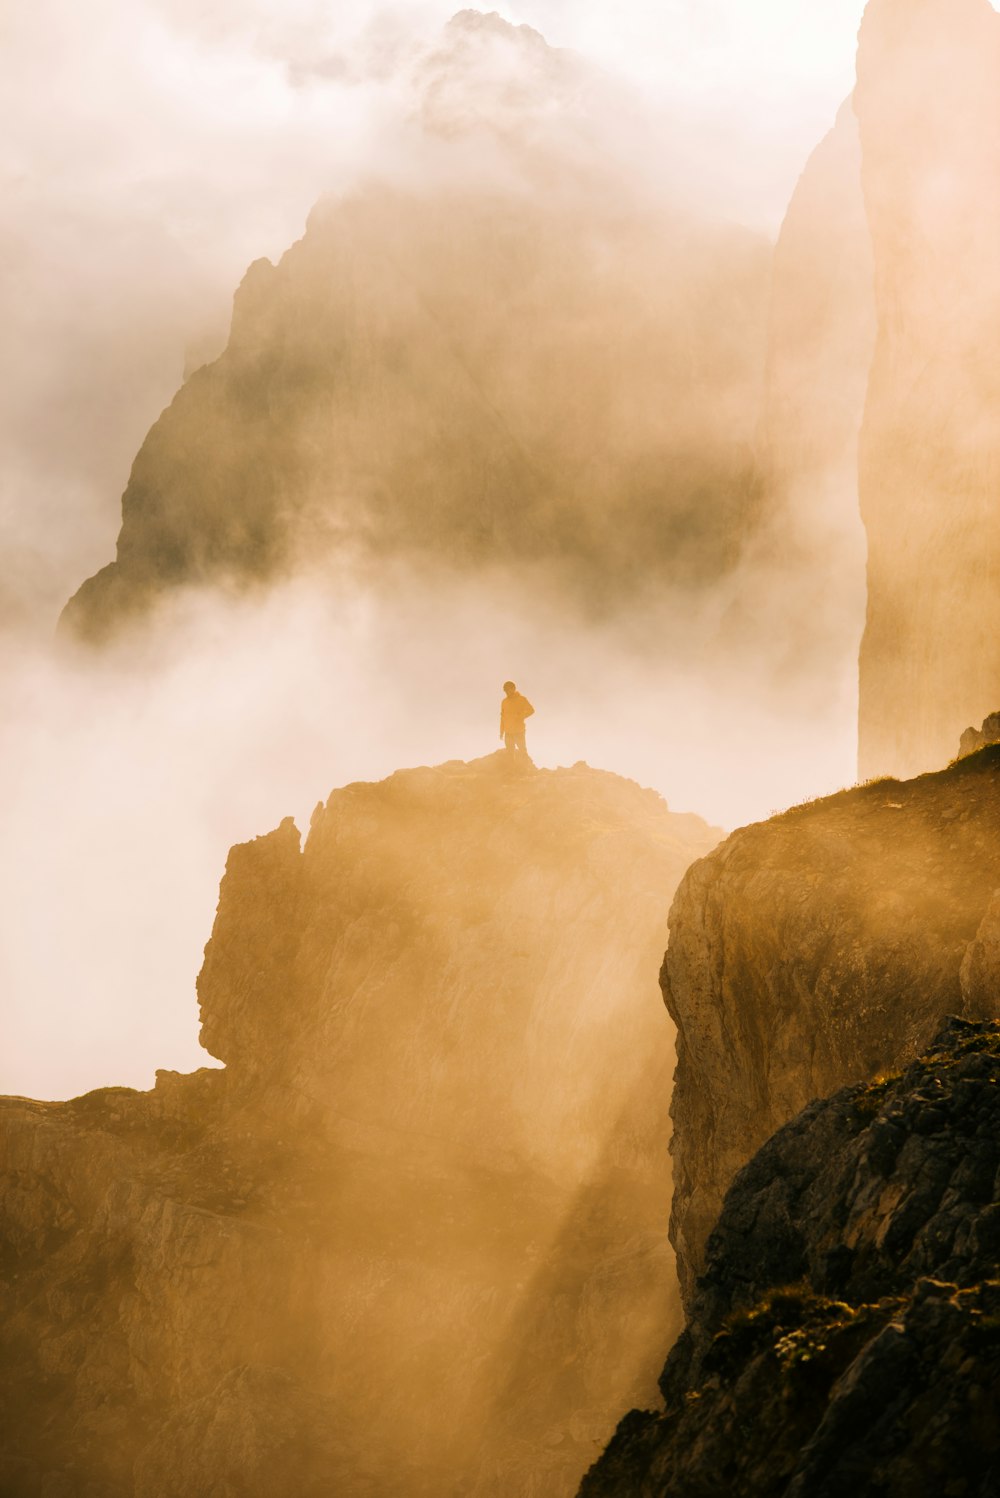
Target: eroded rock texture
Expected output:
[928,104]
[519,356]
[411,1240]
[845,1335]
[817,949]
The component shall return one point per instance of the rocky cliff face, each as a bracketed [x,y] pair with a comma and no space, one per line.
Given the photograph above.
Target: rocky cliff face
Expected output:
[818,949]
[393,1247]
[928,104]
[844,1335]
[519,355]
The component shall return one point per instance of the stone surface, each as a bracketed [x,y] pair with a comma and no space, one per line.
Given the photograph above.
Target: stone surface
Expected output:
[928,105]
[817,949]
[394,1245]
[845,1335]
[977,738]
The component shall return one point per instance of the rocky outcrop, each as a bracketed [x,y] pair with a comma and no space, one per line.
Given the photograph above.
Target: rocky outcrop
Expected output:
[844,1335]
[392,1247]
[817,949]
[974,739]
[928,104]
[517,356]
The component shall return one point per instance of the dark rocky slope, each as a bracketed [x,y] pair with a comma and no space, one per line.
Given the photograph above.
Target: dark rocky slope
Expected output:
[520,356]
[928,105]
[816,949]
[394,1247]
[845,1335]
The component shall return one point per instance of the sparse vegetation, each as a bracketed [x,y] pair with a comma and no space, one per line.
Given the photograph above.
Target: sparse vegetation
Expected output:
[869,1101]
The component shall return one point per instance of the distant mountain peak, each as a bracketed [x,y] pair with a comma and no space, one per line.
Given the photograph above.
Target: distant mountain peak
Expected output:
[483,22]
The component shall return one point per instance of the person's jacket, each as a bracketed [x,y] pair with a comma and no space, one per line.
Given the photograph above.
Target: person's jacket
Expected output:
[514,712]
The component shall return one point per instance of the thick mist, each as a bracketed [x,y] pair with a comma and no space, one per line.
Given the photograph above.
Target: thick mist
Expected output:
[170,147]
[131,773]
[154,151]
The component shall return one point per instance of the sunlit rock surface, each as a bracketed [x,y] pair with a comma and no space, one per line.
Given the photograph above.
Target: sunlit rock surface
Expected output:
[928,104]
[412,1239]
[844,1336]
[518,356]
[977,738]
[817,949]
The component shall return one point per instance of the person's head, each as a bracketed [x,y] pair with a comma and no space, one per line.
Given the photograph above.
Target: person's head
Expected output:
[509,687]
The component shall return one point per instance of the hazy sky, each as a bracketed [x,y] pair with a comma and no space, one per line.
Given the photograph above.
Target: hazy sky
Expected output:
[148,152]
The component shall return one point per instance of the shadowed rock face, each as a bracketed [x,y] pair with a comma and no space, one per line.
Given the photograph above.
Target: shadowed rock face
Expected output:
[518,358]
[393,1248]
[844,1334]
[928,104]
[820,948]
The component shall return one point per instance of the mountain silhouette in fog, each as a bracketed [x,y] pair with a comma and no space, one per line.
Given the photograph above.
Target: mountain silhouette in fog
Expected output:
[508,354]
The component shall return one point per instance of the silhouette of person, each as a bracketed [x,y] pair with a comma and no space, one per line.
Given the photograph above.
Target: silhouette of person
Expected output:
[514,712]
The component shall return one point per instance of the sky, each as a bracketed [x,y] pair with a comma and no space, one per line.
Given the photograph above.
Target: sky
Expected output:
[148,153]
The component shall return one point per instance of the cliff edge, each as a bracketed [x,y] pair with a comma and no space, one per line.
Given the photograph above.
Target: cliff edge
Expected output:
[818,949]
[352,1260]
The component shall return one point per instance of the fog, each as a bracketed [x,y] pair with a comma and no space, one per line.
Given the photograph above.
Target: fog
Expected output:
[131,774]
[152,152]
[159,150]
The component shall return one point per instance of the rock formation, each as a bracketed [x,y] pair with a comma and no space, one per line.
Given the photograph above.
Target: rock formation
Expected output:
[815,950]
[974,739]
[520,356]
[395,1247]
[844,1335]
[928,104]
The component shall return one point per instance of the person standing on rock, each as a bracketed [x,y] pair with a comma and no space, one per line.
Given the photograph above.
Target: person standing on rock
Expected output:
[515,710]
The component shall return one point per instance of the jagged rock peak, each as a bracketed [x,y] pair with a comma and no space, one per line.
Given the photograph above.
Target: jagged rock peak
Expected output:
[487,73]
[974,739]
[846,1321]
[483,22]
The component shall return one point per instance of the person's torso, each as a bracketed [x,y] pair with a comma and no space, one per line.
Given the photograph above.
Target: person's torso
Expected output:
[514,710]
